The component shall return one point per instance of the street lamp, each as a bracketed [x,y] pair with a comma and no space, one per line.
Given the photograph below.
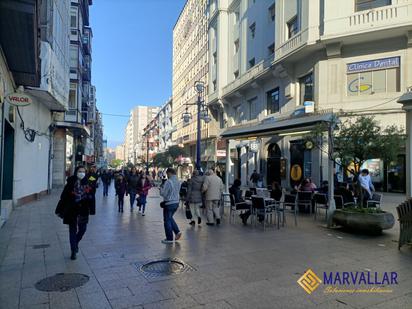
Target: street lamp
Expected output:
[202,114]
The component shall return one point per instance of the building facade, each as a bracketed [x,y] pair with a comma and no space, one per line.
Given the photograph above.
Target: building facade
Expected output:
[191,64]
[166,128]
[120,153]
[284,66]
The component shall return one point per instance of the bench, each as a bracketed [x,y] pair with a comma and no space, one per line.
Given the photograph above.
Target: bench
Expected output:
[404,211]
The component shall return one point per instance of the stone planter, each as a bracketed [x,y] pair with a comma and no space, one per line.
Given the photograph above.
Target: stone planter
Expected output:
[367,222]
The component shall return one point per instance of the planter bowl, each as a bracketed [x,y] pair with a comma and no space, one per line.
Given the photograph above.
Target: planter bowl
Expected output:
[368,222]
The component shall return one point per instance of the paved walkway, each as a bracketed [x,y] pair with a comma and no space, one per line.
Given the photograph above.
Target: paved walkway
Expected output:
[236,266]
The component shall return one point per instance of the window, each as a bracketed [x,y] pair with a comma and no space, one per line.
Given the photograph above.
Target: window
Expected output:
[236,74]
[372,82]
[361,5]
[73,96]
[73,18]
[293,26]
[252,29]
[214,85]
[74,57]
[252,108]
[272,12]
[271,49]
[252,62]
[306,88]
[272,101]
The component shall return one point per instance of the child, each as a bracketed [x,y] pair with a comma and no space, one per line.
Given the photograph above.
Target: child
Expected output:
[120,186]
[143,189]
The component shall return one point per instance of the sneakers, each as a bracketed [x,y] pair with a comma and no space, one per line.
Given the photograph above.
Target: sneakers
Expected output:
[217,221]
[199,220]
[178,236]
[168,242]
[143,214]
[244,219]
[73,256]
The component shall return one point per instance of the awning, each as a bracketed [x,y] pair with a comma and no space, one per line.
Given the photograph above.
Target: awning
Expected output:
[45,97]
[76,128]
[274,126]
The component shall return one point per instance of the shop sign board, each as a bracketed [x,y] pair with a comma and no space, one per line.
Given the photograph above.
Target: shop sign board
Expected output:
[371,65]
[19,99]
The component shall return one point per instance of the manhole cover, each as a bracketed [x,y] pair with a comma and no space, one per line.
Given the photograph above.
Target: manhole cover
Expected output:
[42,246]
[164,267]
[61,282]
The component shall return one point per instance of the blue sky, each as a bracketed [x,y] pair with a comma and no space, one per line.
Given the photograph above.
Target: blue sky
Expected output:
[132,57]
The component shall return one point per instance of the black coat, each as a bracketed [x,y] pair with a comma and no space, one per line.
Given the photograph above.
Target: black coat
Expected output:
[68,209]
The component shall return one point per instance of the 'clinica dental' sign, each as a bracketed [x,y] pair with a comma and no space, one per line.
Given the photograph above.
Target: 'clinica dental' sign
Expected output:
[372,65]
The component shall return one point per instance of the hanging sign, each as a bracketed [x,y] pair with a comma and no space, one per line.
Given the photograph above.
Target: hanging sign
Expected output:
[296,172]
[19,99]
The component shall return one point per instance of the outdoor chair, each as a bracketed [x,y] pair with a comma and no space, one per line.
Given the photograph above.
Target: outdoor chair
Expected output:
[321,202]
[259,207]
[248,194]
[237,207]
[376,201]
[404,211]
[305,199]
[290,200]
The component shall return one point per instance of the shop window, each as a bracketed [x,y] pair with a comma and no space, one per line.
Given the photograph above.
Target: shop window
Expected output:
[361,5]
[306,88]
[371,82]
[272,99]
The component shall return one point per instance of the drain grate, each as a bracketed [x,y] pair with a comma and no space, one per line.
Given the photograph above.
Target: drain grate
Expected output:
[42,246]
[164,267]
[61,282]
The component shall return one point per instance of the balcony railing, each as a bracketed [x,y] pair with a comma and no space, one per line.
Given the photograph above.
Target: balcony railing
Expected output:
[292,44]
[386,17]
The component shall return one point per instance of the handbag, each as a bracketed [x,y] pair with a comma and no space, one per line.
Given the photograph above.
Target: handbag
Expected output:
[60,209]
[188,213]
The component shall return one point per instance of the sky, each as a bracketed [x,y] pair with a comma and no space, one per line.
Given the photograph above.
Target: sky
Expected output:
[131,57]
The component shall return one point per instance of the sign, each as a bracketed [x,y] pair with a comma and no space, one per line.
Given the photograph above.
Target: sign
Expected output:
[220,153]
[309,106]
[371,65]
[254,147]
[19,99]
[296,172]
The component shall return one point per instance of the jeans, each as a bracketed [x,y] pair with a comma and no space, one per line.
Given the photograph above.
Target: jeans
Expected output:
[120,202]
[132,199]
[169,223]
[105,189]
[142,202]
[76,231]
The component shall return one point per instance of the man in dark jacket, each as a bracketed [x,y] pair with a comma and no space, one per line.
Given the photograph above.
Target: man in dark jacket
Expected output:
[106,179]
[75,207]
[194,196]
[132,184]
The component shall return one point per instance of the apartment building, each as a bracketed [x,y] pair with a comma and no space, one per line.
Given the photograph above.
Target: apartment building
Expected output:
[128,142]
[190,64]
[120,152]
[166,127]
[284,66]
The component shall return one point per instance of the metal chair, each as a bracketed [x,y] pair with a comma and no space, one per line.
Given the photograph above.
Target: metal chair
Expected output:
[340,203]
[305,199]
[248,194]
[321,202]
[234,207]
[259,207]
[376,201]
[290,200]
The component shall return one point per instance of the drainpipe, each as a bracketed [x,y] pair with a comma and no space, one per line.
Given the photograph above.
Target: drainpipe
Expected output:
[51,136]
[1,152]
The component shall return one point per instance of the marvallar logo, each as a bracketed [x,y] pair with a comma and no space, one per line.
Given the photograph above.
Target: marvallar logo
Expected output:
[309,281]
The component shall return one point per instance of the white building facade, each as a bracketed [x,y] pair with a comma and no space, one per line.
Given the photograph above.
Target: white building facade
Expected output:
[165,123]
[273,58]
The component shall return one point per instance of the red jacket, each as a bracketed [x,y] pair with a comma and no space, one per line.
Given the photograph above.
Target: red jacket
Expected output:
[144,189]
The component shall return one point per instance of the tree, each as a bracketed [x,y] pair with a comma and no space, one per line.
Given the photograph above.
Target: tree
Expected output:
[359,139]
[116,163]
[167,158]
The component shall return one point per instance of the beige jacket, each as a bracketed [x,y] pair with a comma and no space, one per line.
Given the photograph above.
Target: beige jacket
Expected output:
[213,188]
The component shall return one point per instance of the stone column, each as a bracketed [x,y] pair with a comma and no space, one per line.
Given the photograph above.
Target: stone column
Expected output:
[406,101]
[59,158]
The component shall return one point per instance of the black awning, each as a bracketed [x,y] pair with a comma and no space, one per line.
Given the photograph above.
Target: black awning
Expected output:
[277,126]
[18,40]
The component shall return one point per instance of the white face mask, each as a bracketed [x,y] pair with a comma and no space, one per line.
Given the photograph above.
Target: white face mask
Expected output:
[81,175]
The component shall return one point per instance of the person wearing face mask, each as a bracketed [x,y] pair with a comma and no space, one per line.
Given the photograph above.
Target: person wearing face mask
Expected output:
[75,206]
[143,188]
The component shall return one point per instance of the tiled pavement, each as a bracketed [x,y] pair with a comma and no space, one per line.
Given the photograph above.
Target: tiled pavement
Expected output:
[237,266]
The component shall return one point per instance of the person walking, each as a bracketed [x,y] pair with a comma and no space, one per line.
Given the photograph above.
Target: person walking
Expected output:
[366,185]
[169,190]
[213,188]
[132,183]
[75,207]
[121,186]
[143,188]
[194,196]
[93,180]
[106,179]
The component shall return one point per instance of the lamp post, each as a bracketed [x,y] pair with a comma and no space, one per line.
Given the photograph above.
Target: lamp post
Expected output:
[147,154]
[202,114]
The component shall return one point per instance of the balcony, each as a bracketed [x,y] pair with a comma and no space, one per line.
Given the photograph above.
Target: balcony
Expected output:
[86,40]
[390,17]
[86,74]
[292,45]
[72,115]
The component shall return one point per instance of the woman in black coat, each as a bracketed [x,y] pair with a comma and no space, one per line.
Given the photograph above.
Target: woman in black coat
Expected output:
[75,206]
